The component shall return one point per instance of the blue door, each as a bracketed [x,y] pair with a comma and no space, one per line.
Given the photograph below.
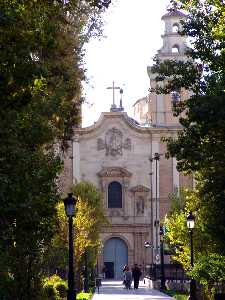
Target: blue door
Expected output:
[115,255]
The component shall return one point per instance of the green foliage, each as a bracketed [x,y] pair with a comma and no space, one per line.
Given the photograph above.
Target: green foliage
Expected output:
[209,271]
[54,288]
[177,295]
[41,71]
[209,266]
[6,285]
[87,226]
[177,200]
[84,296]
[89,218]
[199,147]
[177,235]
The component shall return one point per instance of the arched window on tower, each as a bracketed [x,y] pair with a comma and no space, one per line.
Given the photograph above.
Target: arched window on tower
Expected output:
[115,195]
[175,28]
[175,49]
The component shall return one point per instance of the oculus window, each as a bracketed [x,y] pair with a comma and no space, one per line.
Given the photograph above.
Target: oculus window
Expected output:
[115,195]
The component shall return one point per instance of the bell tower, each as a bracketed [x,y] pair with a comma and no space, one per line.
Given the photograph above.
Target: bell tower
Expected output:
[174,46]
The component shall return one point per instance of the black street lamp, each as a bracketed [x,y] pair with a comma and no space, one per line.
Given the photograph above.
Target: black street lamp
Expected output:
[163,280]
[85,280]
[148,246]
[98,279]
[156,158]
[191,225]
[70,205]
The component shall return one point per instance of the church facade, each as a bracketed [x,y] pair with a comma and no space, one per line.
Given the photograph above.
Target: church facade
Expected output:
[126,162]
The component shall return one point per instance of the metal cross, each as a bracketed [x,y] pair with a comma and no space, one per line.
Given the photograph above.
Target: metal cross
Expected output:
[113,87]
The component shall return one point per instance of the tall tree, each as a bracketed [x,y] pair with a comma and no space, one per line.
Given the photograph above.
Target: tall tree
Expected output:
[41,73]
[199,147]
[208,267]
[88,221]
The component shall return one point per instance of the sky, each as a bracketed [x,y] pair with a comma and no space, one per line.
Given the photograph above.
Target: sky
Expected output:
[132,36]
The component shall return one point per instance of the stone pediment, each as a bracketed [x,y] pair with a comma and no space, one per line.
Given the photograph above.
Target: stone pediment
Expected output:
[139,188]
[114,172]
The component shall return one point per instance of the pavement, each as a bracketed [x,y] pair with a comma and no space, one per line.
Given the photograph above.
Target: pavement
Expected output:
[114,290]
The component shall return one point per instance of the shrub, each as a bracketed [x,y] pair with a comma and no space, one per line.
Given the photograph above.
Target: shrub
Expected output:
[50,292]
[54,288]
[61,287]
[6,283]
[209,271]
[84,296]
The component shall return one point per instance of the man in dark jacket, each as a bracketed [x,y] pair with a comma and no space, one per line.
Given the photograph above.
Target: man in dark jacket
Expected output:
[136,273]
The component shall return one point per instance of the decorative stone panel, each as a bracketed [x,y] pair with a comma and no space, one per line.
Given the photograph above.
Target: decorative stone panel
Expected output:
[113,143]
[140,196]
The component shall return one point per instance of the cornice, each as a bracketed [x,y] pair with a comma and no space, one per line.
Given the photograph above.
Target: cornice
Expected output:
[127,120]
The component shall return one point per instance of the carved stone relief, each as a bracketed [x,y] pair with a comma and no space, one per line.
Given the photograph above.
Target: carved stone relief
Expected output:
[113,143]
[127,144]
[100,144]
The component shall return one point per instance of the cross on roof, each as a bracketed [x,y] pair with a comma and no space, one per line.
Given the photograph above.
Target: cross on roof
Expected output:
[113,87]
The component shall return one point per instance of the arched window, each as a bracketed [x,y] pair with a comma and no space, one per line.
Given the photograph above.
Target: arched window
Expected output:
[115,195]
[175,49]
[175,28]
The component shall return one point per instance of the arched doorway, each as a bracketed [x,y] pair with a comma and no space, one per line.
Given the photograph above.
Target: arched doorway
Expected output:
[115,256]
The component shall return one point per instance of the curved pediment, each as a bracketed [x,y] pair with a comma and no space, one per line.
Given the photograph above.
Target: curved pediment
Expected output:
[110,116]
[114,172]
[139,188]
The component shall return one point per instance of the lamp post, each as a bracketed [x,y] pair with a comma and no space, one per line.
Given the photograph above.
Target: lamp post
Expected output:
[190,225]
[152,228]
[98,280]
[70,204]
[156,158]
[85,283]
[147,246]
[163,280]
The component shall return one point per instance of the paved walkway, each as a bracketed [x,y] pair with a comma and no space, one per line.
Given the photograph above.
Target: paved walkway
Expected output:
[114,290]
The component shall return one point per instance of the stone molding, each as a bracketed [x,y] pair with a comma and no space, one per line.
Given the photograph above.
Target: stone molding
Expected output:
[114,172]
[139,188]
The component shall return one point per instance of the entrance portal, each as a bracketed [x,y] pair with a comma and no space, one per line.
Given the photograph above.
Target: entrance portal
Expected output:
[115,256]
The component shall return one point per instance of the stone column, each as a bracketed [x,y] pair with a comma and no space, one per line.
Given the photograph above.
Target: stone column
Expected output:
[176,177]
[155,149]
[76,159]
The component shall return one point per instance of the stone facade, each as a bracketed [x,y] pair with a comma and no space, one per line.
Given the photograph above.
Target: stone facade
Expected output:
[116,151]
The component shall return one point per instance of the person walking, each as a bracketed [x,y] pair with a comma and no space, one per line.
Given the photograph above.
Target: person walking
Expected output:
[127,278]
[136,274]
[124,270]
[104,271]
